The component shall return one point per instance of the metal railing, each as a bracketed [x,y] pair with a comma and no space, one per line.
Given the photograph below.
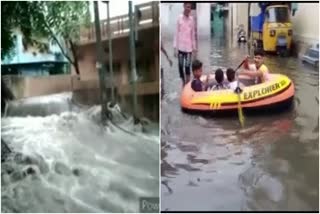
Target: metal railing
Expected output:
[119,25]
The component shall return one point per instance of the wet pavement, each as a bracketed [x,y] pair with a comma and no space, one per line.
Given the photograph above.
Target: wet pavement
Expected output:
[212,164]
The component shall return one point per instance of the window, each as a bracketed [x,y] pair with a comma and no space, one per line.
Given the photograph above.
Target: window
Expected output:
[277,14]
[313,53]
[143,71]
[115,69]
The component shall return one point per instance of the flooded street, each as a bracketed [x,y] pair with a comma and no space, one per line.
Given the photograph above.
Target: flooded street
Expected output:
[212,164]
[65,161]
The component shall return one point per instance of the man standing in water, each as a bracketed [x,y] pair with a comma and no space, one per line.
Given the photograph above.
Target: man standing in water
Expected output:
[184,42]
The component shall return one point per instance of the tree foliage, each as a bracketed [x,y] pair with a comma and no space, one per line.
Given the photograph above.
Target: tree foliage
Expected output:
[59,21]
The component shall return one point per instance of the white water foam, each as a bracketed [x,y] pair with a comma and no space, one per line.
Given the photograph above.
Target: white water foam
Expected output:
[67,162]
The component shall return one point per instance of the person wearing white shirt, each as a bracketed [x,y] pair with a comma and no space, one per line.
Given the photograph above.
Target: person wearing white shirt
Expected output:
[233,83]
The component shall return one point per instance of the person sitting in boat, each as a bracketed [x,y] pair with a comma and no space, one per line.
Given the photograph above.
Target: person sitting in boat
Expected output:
[219,76]
[262,71]
[233,83]
[197,84]
[231,78]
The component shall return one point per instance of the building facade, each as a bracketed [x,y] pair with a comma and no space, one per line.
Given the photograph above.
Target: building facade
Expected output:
[306,26]
[40,59]
[147,60]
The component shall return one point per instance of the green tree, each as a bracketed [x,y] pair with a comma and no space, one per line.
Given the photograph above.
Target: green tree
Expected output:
[59,21]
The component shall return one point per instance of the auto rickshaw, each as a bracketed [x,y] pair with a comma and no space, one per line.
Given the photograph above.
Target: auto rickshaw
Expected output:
[272,29]
[277,29]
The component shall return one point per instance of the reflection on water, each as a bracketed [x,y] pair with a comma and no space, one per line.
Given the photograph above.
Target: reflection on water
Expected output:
[212,164]
[67,162]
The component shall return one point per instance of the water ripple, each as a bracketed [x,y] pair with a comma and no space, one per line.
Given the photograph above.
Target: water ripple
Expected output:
[259,167]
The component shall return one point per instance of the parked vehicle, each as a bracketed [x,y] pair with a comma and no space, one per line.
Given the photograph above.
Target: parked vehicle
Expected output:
[242,36]
[272,28]
[312,56]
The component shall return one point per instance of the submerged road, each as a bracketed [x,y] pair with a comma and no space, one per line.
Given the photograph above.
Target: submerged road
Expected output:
[212,164]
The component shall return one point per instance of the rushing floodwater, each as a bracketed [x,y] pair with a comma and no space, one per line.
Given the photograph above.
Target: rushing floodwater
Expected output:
[66,162]
[213,164]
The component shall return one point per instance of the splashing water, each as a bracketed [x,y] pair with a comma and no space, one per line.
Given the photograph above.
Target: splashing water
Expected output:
[64,161]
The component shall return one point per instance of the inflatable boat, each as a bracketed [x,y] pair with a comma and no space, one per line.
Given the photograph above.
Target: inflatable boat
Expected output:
[274,94]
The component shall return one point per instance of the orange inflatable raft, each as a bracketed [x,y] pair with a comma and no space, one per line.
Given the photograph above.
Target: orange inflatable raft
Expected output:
[274,94]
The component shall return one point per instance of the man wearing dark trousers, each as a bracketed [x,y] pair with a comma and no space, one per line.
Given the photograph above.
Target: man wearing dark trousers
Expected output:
[184,42]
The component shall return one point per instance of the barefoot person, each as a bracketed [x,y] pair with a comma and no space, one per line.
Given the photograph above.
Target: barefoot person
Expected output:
[184,42]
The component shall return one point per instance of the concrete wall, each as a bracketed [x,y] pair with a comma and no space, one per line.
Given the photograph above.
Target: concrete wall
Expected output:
[306,26]
[36,86]
[85,92]
[169,16]
[164,15]
[147,50]
[203,20]
[229,23]
[240,16]
[306,22]
[147,58]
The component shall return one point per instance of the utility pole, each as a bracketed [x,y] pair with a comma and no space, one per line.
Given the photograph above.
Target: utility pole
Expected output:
[136,23]
[99,65]
[250,43]
[110,54]
[133,63]
[231,17]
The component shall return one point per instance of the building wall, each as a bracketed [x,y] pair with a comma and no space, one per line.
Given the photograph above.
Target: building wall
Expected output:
[147,50]
[32,54]
[164,18]
[240,16]
[169,16]
[306,22]
[85,92]
[229,22]
[30,61]
[306,26]
[236,14]
[25,86]
[147,66]
[203,20]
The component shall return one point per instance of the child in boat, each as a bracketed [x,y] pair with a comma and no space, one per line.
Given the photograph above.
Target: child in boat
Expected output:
[197,84]
[262,71]
[233,83]
[219,76]
[231,78]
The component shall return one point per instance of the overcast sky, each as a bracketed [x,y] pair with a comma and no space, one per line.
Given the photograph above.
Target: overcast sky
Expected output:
[116,8]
